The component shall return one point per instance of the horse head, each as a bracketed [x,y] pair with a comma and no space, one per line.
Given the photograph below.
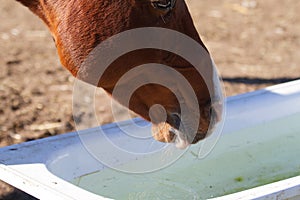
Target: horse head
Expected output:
[78,27]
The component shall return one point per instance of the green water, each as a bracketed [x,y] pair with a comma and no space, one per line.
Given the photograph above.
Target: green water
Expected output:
[241,160]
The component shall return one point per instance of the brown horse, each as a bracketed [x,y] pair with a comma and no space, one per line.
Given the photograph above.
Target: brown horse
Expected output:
[78,26]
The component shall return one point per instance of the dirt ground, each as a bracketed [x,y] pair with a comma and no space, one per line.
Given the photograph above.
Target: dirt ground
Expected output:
[254,43]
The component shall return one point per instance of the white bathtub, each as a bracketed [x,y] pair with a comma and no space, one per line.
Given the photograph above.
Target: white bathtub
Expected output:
[257,157]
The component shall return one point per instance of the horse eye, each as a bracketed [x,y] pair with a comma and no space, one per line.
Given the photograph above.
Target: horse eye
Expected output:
[165,5]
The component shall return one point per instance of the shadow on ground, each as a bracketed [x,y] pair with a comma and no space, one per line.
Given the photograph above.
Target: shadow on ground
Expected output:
[250,81]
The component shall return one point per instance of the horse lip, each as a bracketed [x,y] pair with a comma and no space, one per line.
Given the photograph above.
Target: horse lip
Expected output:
[180,140]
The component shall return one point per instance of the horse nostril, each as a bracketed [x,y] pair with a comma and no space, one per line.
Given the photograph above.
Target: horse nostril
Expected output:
[211,112]
[216,112]
[176,120]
